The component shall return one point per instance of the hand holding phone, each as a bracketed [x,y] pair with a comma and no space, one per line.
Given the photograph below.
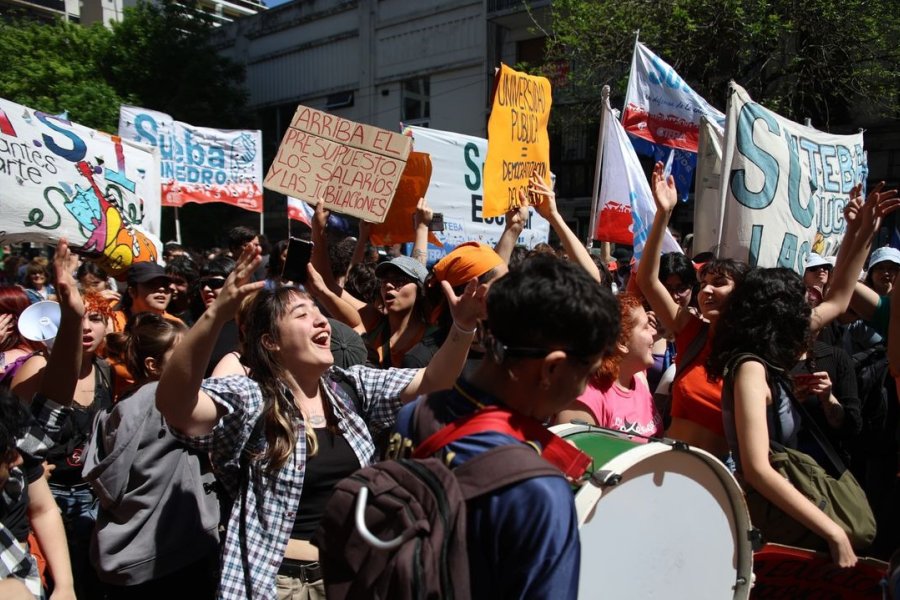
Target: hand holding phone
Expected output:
[298,256]
[437,222]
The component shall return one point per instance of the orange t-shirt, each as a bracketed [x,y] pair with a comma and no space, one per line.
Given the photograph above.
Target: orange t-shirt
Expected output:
[694,397]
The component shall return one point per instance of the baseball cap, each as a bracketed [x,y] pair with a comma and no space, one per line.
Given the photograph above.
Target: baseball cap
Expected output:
[142,272]
[405,264]
[814,260]
[465,263]
[347,346]
[884,254]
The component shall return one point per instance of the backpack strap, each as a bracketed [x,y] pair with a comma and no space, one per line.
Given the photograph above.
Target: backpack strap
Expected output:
[558,452]
[500,467]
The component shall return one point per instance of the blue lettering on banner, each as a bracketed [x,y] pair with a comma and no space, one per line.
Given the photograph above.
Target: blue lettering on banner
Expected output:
[474,183]
[788,254]
[146,127]
[755,239]
[845,161]
[74,154]
[803,215]
[828,169]
[764,161]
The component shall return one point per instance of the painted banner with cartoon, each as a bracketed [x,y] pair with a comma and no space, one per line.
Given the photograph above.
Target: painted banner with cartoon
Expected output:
[199,164]
[784,186]
[59,179]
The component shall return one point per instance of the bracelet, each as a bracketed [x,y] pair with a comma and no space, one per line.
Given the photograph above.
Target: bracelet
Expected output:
[465,331]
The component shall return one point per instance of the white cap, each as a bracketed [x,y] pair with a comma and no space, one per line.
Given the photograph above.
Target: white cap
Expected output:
[884,254]
[813,260]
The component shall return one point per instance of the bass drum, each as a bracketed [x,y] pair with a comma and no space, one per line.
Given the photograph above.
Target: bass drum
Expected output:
[659,520]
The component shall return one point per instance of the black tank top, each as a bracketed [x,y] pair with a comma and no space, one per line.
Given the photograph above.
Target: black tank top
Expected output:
[334,461]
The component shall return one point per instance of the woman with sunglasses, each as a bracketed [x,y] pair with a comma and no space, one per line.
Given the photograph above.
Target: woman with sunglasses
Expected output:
[281,438]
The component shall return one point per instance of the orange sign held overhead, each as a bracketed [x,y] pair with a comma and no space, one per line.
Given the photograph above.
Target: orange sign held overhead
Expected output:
[518,144]
[398,226]
[353,168]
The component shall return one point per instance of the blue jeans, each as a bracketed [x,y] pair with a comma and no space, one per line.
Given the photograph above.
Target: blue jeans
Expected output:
[79,506]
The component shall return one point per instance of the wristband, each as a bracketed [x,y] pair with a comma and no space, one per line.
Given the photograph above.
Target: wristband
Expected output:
[465,331]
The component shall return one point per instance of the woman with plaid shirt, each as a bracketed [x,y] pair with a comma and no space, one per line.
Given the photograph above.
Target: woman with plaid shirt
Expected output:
[281,438]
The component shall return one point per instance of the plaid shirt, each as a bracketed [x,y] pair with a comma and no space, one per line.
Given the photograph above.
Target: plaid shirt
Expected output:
[264,510]
[34,440]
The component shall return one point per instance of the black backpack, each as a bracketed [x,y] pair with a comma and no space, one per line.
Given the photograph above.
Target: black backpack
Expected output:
[397,529]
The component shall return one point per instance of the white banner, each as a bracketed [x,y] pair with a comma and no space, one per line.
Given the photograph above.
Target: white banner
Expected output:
[625,204]
[784,187]
[456,190]
[199,164]
[707,199]
[60,179]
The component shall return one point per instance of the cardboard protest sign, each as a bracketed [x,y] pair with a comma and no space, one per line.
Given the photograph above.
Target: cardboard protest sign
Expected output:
[398,226]
[60,179]
[353,168]
[788,572]
[707,199]
[784,186]
[456,191]
[518,144]
[199,164]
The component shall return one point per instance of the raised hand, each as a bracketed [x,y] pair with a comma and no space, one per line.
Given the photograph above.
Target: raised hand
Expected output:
[64,264]
[664,193]
[320,217]
[517,218]
[423,214]
[469,306]
[238,284]
[546,206]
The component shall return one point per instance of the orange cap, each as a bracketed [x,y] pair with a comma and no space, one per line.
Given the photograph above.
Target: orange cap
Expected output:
[466,262]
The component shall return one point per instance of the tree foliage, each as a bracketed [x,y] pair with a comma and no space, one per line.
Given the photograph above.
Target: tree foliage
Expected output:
[159,57]
[820,59]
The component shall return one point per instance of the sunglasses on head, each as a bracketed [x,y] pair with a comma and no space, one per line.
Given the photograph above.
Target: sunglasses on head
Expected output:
[212,283]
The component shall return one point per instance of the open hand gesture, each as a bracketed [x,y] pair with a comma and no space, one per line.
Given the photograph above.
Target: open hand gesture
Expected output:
[546,206]
[469,306]
[238,284]
[664,193]
[423,214]
[320,217]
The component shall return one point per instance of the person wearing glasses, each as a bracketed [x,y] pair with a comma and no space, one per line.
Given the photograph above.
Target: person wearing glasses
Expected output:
[207,289]
[523,539]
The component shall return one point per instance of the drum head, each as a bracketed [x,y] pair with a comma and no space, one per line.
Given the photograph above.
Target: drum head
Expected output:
[674,527]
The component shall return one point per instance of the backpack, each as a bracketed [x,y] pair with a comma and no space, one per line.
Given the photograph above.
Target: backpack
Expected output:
[397,529]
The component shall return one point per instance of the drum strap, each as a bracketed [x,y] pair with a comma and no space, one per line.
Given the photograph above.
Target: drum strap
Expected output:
[555,450]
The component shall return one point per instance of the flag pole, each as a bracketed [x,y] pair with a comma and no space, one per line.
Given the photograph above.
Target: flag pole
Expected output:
[177,227]
[262,214]
[595,193]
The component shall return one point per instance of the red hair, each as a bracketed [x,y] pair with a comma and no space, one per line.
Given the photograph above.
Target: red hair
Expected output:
[13,300]
[609,368]
[95,303]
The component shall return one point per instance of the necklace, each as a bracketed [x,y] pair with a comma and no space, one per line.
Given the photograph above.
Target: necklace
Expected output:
[317,420]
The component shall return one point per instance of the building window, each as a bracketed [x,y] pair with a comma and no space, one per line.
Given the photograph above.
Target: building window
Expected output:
[339,100]
[416,100]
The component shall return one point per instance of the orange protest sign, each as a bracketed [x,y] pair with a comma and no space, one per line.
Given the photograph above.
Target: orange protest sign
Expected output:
[398,226]
[518,144]
[353,168]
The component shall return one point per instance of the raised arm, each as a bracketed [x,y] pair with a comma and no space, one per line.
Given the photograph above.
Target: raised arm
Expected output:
[894,333]
[362,242]
[672,316]
[547,209]
[320,259]
[64,363]
[178,397]
[864,301]
[447,363]
[863,219]
[422,222]
[515,223]
[333,304]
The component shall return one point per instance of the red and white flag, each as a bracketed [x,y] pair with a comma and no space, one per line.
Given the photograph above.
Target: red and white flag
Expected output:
[299,210]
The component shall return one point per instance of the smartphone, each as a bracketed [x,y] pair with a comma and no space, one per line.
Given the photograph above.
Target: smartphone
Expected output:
[298,255]
[437,222]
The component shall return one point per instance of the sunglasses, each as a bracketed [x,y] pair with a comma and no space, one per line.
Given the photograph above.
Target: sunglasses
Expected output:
[212,283]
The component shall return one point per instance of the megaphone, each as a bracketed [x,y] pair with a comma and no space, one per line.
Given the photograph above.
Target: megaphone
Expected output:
[40,322]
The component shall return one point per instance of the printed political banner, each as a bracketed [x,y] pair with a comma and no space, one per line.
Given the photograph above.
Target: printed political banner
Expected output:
[199,164]
[353,168]
[784,186]
[398,227]
[518,144]
[707,199]
[60,179]
[625,205]
[662,112]
[456,190]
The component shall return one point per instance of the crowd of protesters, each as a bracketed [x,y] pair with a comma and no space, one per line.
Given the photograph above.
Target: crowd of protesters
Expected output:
[185,429]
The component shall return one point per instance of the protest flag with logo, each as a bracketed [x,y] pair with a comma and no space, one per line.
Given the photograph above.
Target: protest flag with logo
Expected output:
[662,113]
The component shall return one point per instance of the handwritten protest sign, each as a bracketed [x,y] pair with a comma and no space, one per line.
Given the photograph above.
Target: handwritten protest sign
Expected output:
[398,226]
[784,186]
[59,179]
[456,191]
[518,144]
[353,168]
[199,164]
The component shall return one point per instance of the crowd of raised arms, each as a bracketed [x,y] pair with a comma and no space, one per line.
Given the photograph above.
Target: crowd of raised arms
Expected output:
[183,433]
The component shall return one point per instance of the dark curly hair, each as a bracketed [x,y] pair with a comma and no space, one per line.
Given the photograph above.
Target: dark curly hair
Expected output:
[767,315]
[734,269]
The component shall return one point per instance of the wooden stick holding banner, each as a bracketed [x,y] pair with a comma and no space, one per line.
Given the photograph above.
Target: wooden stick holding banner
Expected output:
[353,168]
[518,143]
[177,227]
[595,192]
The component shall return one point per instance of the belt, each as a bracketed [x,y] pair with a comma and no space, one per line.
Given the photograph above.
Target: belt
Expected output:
[304,570]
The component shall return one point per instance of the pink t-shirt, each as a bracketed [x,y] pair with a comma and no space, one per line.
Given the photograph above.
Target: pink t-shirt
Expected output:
[630,411]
